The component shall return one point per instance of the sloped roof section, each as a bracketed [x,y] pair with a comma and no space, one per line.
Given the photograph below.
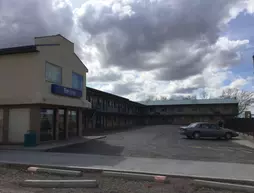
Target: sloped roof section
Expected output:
[81,61]
[57,43]
[190,102]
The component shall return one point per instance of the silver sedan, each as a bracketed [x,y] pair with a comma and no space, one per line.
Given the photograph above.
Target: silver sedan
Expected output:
[203,129]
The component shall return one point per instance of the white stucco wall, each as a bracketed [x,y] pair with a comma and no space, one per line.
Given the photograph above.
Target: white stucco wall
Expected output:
[62,54]
[18,78]
[19,123]
[23,75]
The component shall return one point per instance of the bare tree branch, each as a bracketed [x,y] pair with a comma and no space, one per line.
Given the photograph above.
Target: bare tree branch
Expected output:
[204,95]
[244,98]
[191,97]
[150,98]
[163,98]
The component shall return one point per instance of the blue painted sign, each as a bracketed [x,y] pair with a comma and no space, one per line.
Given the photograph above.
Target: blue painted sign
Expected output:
[64,91]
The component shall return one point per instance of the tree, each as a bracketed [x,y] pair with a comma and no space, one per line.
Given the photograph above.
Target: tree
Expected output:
[190,97]
[244,98]
[204,95]
[150,98]
[163,98]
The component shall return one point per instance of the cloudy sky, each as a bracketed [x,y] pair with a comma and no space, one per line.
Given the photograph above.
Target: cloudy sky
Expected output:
[142,48]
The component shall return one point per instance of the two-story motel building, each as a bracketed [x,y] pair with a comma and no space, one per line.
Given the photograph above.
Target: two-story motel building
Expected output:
[42,88]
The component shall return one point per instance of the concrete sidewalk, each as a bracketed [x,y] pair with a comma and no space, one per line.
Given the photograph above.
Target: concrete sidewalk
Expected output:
[51,144]
[205,170]
[245,140]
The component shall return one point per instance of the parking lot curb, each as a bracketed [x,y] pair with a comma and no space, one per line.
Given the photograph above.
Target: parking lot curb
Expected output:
[225,186]
[136,176]
[55,171]
[100,170]
[60,183]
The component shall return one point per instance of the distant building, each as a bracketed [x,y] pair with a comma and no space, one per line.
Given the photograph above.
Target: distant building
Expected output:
[111,111]
[187,111]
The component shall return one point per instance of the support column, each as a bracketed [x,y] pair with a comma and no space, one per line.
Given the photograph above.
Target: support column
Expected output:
[35,120]
[66,124]
[1,125]
[80,123]
[57,124]
[5,125]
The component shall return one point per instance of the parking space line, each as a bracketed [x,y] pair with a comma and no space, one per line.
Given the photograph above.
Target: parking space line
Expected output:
[246,151]
[197,147]
[223,149]
[213,148]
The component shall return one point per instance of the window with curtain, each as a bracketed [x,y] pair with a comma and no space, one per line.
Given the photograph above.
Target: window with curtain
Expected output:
[53,73]
[77,81]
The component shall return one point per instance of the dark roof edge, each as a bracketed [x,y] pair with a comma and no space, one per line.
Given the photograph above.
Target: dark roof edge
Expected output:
[19,50]
[178,104]
[96,90]
[53,36]
[148,105]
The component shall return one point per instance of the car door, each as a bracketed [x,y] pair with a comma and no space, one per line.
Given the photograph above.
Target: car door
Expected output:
[204,130]
[216,131]
[212,130]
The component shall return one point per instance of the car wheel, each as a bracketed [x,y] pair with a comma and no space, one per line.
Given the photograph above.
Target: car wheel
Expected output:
[189,137]
[228,136]
[196,135]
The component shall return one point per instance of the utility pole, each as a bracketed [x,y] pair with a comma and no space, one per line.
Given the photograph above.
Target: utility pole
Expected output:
[253,62]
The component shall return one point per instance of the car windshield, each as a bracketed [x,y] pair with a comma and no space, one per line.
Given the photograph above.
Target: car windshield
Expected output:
[192,125]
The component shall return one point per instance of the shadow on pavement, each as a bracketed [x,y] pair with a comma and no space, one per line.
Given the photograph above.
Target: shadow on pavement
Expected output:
[112,131]
[91,147]
[211,139]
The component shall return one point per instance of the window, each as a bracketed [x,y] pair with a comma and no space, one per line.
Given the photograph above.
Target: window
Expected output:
[53,73]
[179,109]
[77,81]
[226,107]
[72,123]
[61,124]
[213,126]
[194,109]
[204,126]
[47,122]
[151,109]
[193,125]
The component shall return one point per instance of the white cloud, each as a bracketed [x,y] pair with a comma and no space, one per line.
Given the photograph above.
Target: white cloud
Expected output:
[250,6]
[238,83]
[144,47]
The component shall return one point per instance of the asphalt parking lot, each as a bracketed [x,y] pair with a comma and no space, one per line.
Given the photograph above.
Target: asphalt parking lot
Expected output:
[164,141]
